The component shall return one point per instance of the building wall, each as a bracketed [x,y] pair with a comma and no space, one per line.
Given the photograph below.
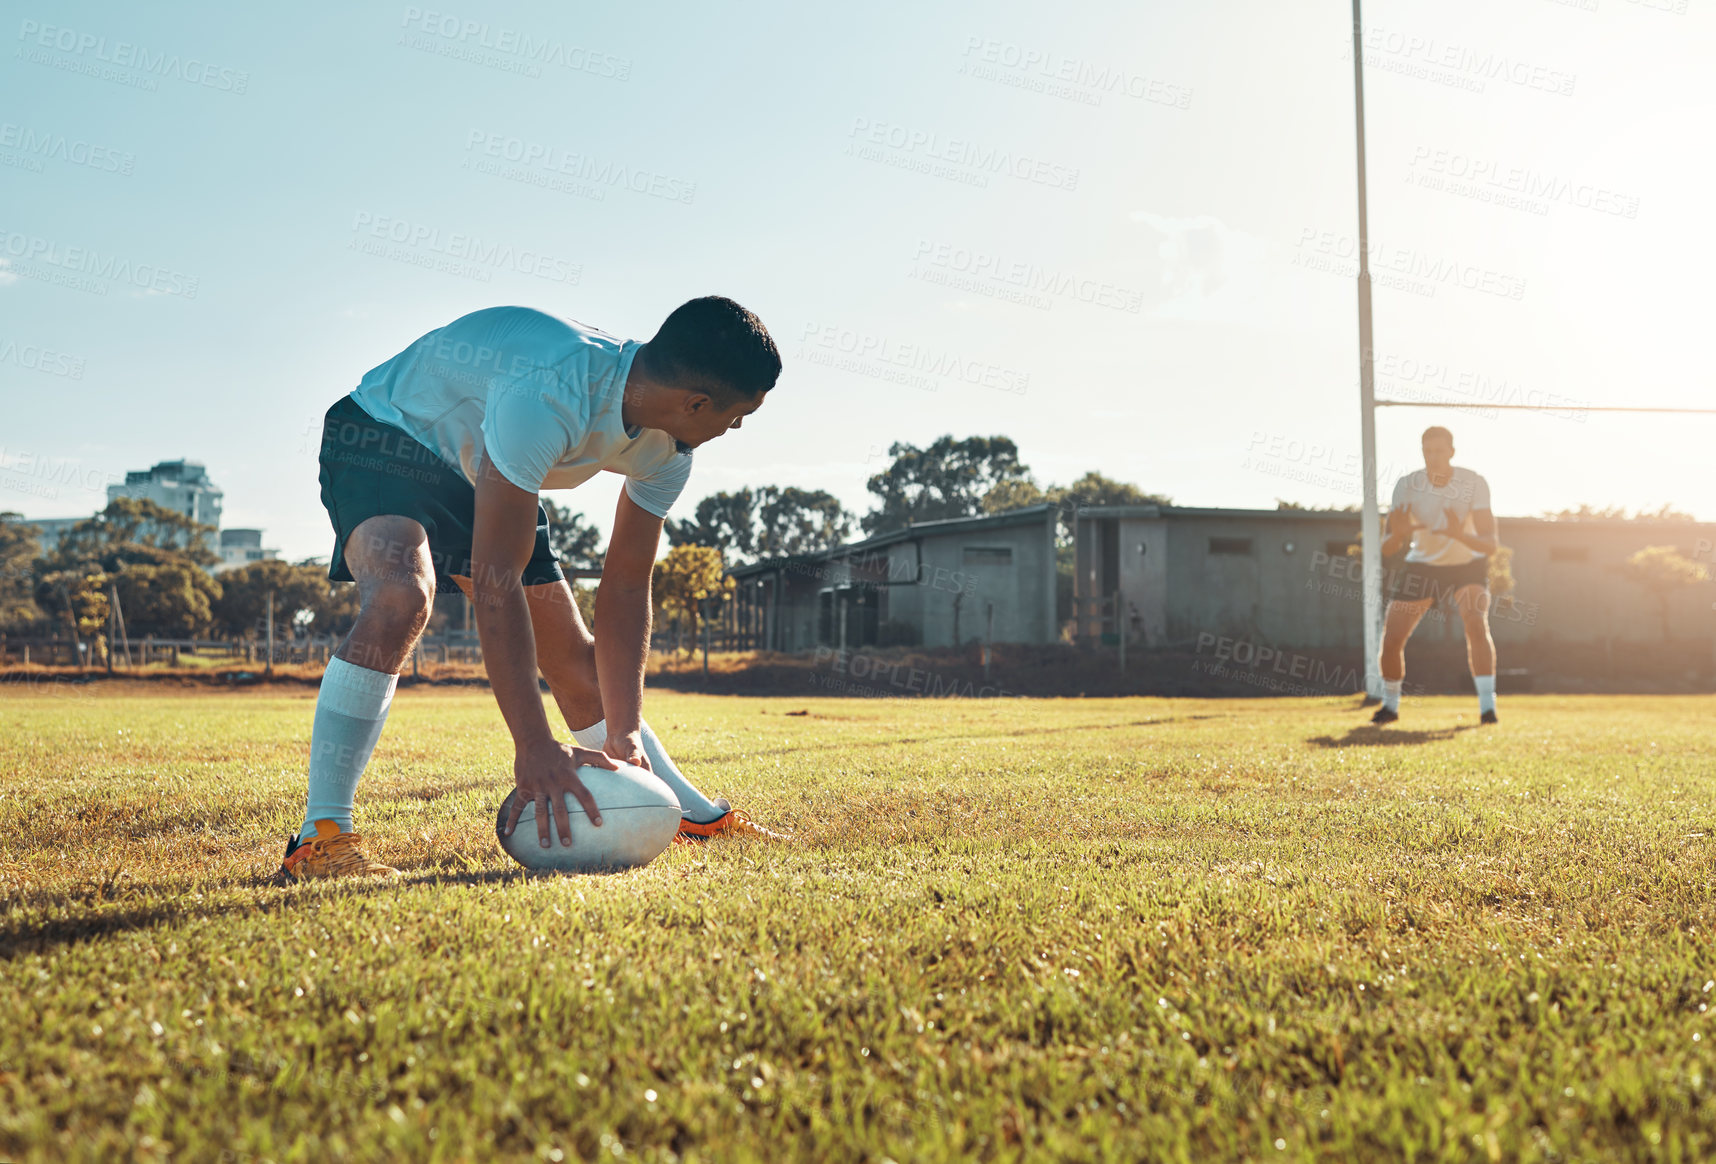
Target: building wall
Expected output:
[962,566]
[197,500]
[1590,600]
[1279,582]
[1568,587]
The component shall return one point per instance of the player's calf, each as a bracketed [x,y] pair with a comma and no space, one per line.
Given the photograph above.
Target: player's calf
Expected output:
[389,557]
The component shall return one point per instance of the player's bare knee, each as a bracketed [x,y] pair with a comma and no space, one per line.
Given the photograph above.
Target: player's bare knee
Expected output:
[571,676]
[401,607]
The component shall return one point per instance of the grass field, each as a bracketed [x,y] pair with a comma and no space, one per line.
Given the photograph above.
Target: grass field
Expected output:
[1119,929]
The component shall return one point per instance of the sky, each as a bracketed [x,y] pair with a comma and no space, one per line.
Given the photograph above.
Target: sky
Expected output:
[1122,234]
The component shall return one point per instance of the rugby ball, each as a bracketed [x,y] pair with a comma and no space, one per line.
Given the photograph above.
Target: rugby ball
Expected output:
[640,815]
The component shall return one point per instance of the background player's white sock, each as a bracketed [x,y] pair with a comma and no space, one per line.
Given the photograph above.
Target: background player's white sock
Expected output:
[1486,685]
[350,709]
[693,805]
[1391,693]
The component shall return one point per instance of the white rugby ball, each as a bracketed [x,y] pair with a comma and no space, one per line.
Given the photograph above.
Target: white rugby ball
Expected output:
[640,815]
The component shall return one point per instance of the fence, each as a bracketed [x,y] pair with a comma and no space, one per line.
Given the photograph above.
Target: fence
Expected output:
[455,647]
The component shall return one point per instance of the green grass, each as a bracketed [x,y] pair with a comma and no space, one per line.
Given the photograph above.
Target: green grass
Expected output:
[1110,929]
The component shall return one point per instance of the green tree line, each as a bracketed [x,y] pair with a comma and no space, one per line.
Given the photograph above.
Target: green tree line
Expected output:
[156,561]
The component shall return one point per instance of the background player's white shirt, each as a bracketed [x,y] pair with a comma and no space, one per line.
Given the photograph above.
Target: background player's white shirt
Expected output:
[540,396]
[1464,493]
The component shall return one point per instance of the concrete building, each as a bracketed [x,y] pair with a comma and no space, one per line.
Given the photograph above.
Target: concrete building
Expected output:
[49,529]
[182,486]
[1292,578]
[240,547]
[934,584]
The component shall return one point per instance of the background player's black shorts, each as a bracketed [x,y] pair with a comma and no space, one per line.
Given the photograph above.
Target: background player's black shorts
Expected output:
[1415,581]
[370,469]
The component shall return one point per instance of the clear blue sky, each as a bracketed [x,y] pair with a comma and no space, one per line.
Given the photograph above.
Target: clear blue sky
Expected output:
[883,184]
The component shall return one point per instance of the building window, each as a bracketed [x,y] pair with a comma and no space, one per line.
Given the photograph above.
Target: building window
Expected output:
[1342,549]
[1230,545]
[988,555]
[1569,553]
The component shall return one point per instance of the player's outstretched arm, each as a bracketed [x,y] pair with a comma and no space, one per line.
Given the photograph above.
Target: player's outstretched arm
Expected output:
[1399,534]
[1483,540]
[503,534]
[623,616]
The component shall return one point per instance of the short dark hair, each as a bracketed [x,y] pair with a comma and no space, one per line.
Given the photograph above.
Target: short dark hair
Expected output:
[1436,430]
[713,345]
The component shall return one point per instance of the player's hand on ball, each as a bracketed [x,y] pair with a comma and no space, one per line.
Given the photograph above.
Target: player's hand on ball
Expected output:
[545,775]
[628,749]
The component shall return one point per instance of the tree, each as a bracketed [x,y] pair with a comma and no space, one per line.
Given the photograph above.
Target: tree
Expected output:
[799,521]
[1586,512]
[724,521]
[19,548]
[683,580]
[1662,570]
[948,479]
[75,600]
[769,522]
[302,596]
[171,599]
[585,597]
[1094,489]
[1284,506]
[576,542]
[134,529]
[1013,493]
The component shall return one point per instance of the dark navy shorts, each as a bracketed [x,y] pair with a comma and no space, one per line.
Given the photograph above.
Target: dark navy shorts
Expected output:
[1416,581]
[370,469]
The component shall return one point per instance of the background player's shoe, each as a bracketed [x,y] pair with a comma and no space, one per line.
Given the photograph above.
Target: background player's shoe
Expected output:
[1384,715]
[330,853]
[1488,717]
[731,823]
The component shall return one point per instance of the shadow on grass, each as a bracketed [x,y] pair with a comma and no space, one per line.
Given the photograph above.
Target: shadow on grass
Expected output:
[20,938]
[1035,732]
[1372,736]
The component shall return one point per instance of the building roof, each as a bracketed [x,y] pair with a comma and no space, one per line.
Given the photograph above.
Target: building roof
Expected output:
[1030,515]
[1171,512]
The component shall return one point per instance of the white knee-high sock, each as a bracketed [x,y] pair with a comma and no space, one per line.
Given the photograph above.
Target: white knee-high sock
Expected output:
[1391,693]
[693,805]
[350,709]
[1486,685]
